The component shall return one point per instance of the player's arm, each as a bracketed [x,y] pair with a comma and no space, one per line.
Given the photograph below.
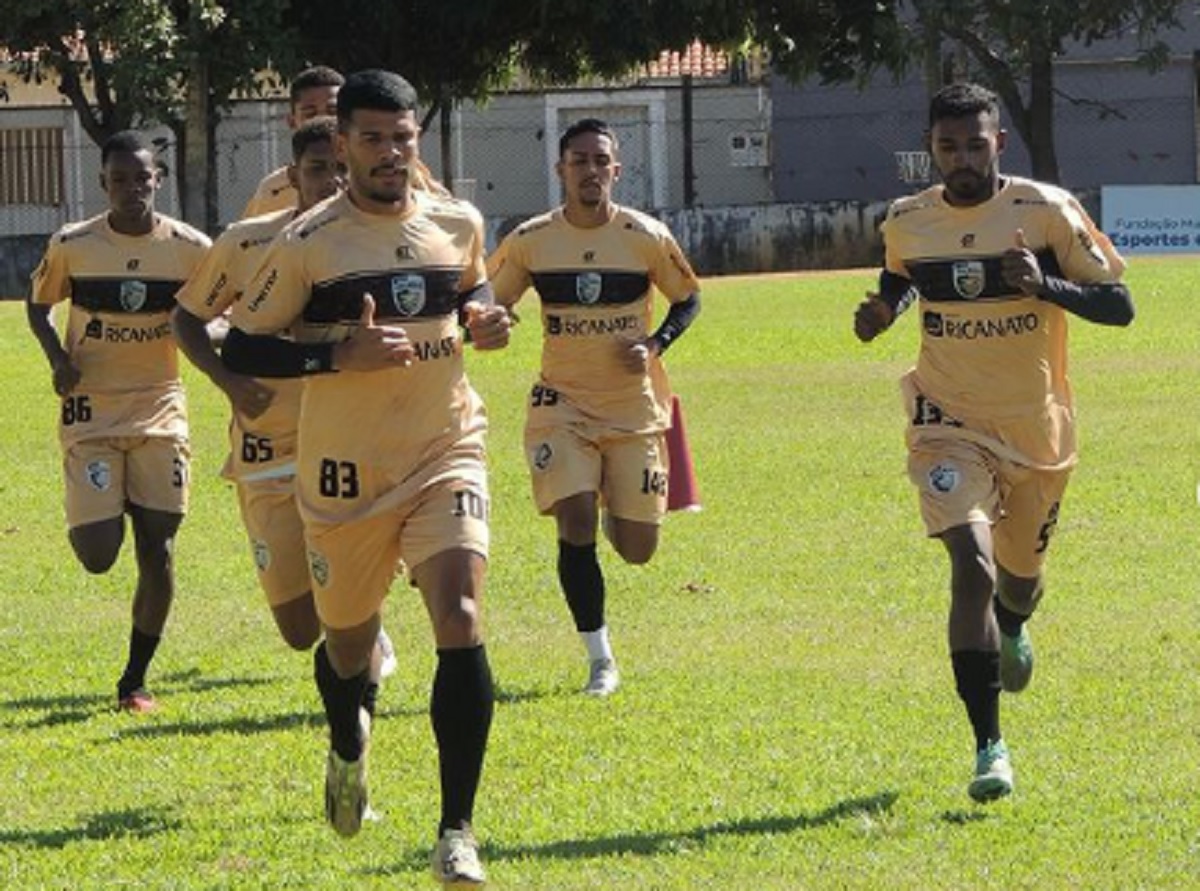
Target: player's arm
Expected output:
[1103,302]
[245,394]
[487,323]
[678,319]
[65,375]
[879,311]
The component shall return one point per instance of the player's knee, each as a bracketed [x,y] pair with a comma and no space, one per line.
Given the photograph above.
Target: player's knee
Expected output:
[637,552]
[96,549]
[458,625]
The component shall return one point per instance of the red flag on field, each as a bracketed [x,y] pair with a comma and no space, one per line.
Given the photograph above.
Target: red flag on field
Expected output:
[683,493]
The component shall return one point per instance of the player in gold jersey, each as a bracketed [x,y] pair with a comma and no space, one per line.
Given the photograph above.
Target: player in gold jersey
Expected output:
[123,424]
[312,94]
[995,263]
[594,434]
[390,462]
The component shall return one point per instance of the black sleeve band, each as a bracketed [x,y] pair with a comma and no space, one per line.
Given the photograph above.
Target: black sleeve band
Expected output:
[260,355]
[1106,303]
[677,320]
[896,291]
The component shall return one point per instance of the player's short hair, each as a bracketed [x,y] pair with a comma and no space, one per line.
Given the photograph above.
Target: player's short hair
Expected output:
[962,100]
[586,125]
[130,141]
[375,90]
[317,76]
[313,132]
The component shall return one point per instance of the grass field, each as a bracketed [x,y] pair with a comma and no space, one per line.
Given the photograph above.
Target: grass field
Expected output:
[788,718]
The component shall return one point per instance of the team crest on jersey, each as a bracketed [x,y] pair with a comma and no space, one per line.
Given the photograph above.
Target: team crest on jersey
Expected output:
[94,329]
[99,475]
[944,478]
[408,293]
[542,456]
[969,277]
[133,295]
[262,555]
[588,286]
[319,567]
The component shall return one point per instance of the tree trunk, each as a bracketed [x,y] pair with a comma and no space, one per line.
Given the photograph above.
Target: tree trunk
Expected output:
[1042,153]
[194,186]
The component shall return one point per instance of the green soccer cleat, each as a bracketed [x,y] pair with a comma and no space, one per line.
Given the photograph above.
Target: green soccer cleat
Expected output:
[346,787]
[1016,661]
[993,773]
[455,860]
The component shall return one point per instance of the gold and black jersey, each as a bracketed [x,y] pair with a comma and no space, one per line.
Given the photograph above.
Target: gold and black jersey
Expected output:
[414,266]
[597,289]
[121,290]
[988,350]
[273,194]
[264,446]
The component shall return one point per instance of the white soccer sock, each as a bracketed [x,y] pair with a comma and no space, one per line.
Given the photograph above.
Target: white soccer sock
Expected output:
[597,643]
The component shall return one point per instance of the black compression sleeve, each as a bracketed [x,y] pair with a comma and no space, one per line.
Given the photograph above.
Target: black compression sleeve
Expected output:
[896,291]
[677,320]
[260,355]
[1106,303]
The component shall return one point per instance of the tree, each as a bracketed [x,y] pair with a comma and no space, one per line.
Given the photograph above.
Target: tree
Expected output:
[1015,44]
[132,63]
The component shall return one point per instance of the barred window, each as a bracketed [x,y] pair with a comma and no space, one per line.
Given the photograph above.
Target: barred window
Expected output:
[31,166]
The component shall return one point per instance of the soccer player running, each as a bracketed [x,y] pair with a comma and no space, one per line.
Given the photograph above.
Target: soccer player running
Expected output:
[390,462]
[262,459]
[312,94]
[123,425]
[996,263]
[594,436]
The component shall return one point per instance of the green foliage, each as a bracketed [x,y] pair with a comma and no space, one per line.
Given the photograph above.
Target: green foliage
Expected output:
[788,718]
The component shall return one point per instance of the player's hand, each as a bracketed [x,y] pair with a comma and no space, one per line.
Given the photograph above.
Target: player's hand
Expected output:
[248,396]
[635,355]
[489,326]
[373,347]
[872,318]
[65,377]
[1019,267]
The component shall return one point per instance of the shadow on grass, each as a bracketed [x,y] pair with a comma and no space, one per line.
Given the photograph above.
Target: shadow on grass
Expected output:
[651,844]
[962,818]
[77,708]
[241,726]
[104,826]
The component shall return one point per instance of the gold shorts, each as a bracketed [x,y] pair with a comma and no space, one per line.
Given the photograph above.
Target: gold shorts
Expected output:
[272,521]
[961,481]
[629,471]
[103,475]
[352,561]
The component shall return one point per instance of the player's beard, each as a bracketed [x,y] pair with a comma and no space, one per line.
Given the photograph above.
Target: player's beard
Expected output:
[388,193]
[968,186]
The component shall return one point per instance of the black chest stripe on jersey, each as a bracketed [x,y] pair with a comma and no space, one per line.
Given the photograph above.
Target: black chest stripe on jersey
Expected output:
[398,293]
[965,279]
[577,287]
[129,295]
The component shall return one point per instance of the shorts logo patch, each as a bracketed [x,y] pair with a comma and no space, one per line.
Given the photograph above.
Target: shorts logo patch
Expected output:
[408,293]
[542,456]
[969,278]
[319,567]
[133,295]
[262,555]
[944,478]
[99,475]
[588,286]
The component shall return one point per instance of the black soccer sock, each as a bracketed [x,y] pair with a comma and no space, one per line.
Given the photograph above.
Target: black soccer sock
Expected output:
[1010,623]
[141,650]
[582,584]
[977,676]
[461,712]
[370,697]
[342,698]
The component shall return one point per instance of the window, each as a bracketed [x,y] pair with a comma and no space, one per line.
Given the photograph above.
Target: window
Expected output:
[31,166]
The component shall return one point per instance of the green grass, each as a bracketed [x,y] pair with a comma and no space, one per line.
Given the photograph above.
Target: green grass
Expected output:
[788,718]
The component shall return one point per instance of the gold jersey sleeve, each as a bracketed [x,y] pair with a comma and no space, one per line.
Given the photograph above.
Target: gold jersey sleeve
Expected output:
[121,290]
[988,350]
[415,266]
[597,293]
[274,193]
